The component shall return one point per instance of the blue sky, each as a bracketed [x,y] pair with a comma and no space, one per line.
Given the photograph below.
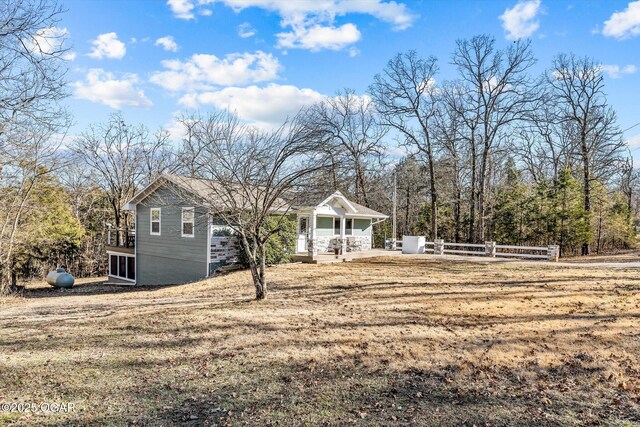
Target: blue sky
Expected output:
[266,58]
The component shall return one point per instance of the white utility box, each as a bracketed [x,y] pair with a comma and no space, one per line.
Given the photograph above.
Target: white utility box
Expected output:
[413,244]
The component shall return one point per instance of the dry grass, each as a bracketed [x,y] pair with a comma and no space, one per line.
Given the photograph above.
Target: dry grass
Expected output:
[631,255]
[375,342]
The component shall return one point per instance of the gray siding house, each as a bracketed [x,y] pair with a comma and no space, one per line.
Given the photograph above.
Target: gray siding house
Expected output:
[177,239]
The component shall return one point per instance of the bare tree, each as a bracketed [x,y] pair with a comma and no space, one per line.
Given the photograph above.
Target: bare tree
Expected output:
[32,155]
[123,158]
[449,132]
[406,97]
[32,68]
[411,195]
[500,92]
[90,207]
[252,177]
[577,86]
[543,143]
[354,135]
[32,122]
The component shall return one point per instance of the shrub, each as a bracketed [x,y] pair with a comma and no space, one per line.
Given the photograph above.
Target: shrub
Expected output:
[280,247]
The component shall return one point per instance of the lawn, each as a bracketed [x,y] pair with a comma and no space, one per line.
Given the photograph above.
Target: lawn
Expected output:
[372,342]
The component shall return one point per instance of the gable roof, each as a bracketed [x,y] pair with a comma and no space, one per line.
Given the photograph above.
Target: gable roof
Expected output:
[363,210]
[207,190]
[352,207]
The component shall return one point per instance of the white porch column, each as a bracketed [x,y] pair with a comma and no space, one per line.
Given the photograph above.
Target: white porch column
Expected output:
[312,245]
[343,234]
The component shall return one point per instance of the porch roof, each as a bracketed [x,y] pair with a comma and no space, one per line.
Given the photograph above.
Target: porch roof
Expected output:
[351,208]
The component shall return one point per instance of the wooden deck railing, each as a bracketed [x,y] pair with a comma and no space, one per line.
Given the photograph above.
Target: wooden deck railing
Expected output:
[121,238]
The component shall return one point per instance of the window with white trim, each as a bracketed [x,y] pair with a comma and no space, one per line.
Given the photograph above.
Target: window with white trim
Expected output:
[188,216]
[156,220]
[336,226]
[348,226]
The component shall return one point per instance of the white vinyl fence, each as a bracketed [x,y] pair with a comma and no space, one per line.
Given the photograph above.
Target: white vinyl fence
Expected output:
[491,249]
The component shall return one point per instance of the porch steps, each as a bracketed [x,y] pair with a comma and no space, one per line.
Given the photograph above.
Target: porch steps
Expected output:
[331,258]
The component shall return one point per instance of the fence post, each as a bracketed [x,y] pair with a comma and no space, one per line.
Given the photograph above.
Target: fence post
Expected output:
[490,249]
[553,253]
[438,247]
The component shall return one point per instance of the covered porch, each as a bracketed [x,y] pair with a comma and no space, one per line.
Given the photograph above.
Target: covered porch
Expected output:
[334,227]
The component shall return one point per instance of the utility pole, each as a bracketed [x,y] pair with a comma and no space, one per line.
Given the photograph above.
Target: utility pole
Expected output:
[393,226]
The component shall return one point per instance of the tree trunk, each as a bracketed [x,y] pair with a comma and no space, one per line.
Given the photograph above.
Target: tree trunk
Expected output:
[434,194]
[587,188]
[255,256]
[472,199]
[456,202]
[406,212]
[481,196]
[361,188]
[259,279]
[5,288]
[598,241]
[116,220]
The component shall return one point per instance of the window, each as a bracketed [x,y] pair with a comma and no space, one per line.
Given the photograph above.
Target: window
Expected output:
[155,221]
[131,268]
[187,222]
[303,225]
[113,265]
[348,226]
[122,266]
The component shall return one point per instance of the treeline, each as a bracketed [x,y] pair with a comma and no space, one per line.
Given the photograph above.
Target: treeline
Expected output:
[497,153]
[494,152]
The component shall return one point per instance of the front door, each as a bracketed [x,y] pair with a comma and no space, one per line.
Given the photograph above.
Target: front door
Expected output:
[303,232]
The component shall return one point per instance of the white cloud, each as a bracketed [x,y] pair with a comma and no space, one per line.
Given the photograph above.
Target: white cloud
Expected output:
[616,71]
[393,12]
[203,71]
[167,43]
[175,128]
[319,37]
[245,30]
[265,106]
[51,41]
[103,87]
[69,56]
[108,46]
[520,20]
[634,141]
[311,23]
[625,24]
[182,9]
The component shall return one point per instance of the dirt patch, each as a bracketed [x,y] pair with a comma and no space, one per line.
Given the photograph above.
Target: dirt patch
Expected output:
[384,341]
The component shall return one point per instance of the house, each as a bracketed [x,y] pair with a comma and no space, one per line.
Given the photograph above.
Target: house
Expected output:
[176,238]
[335,224]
